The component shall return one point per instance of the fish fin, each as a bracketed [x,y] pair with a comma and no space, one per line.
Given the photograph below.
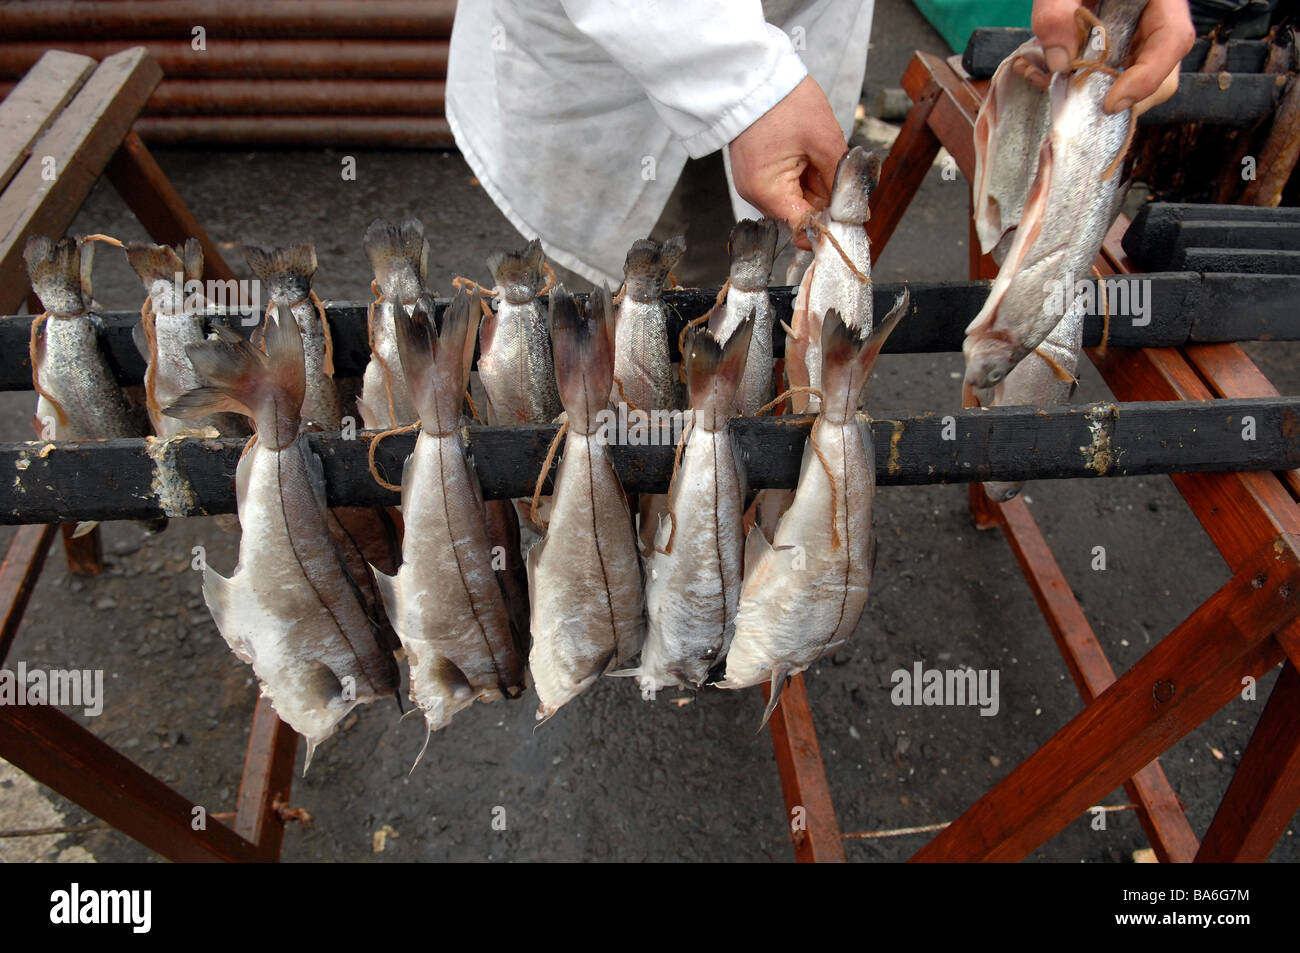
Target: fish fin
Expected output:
[84,528]
[398,255]
[287,270]
[311,751]
[625,673]
[756,548]
[753,241]
[856,177]
[54,268]
[155,262]
[432,354]
[234,375]
[847,358]
[582,349]
[713,371]
[141,342]
[519,268]
[388,594]
[428,733]
[780,679]
[315,475]
[873,545]
[192,254]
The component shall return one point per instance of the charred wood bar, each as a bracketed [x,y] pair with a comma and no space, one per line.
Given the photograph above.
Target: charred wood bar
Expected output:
[135,479]
[1150,310]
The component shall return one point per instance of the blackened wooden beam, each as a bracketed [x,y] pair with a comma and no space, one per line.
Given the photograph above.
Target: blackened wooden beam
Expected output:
[135,479]
[989,46]
[1148,310]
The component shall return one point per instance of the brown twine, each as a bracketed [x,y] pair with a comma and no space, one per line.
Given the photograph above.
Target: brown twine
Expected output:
[1105,311]
[673,282]
[97,237]
[36,379]
[1123,150]
[793,390]
[374,444]
[460,283]
[622,290]
[541,477]
[325,328]
[810,222]
[147,322]
[472,409]
[550,279]
[681,338]
[623,395]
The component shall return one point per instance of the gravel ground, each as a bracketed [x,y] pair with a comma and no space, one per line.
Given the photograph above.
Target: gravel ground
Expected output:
[612,777]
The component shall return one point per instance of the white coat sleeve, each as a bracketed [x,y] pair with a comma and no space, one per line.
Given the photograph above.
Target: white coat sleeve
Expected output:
[709,69]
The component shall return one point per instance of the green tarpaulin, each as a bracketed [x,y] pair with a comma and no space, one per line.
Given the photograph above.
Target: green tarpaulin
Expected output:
[955,19]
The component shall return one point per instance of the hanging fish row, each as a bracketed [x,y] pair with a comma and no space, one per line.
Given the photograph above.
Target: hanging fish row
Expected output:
[707,584]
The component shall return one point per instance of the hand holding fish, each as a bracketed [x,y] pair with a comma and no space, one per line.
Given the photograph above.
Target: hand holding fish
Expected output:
[1164,36]
[784,162]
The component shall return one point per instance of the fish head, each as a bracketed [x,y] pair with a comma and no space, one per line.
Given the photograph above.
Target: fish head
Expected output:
[519,276]
[856,178]
[990,358]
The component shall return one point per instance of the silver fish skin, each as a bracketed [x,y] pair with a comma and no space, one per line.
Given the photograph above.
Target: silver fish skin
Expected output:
[289,609]
[584,577]
[399,257]
[693,574]
[515,363]
[641,353]
[829,282]
[177,323]
[69,363]
[804,593]
[287,273]
[753,247]
[1034,382]
[445,601]
[1066,210]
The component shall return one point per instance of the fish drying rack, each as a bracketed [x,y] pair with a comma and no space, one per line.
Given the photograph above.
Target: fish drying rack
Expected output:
[1184,385]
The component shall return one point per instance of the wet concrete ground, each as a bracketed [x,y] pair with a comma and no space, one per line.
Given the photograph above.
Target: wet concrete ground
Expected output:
[613,777]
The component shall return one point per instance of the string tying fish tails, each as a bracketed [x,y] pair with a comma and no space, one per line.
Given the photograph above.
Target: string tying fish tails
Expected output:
[622,394]
[36,378]
[622,290]
[325,329]
[461,283]
[550,279]
[672,482]
[793,390]
[1105,311]
[809,221]
[374,351]
[107,239]
[374,445]
[150,328]
[546,469]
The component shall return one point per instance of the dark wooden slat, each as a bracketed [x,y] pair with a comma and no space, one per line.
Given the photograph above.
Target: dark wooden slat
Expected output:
[989,46]
[1186,677]
[1280,236]
[22,566]
[59,753]
[1265,790]
[267,779]
[1179,307]
[1203,98]
[1263,262]
[803,777]
[84,554]
[150,195]
[116,479]
[1152,238]
[336,58]
[298,132]
[81,141]
[1161,816]
[87,19]
[29,109]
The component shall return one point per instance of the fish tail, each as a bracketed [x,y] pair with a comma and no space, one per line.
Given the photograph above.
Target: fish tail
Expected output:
[648,264]
[753,240]
[780,679]
[856,177]
[713,372]
[286,271]
[54,267]
[156,262]
[847,359]
[432,354]
[519,268]
[583,350]
[399,255]
[236,377]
